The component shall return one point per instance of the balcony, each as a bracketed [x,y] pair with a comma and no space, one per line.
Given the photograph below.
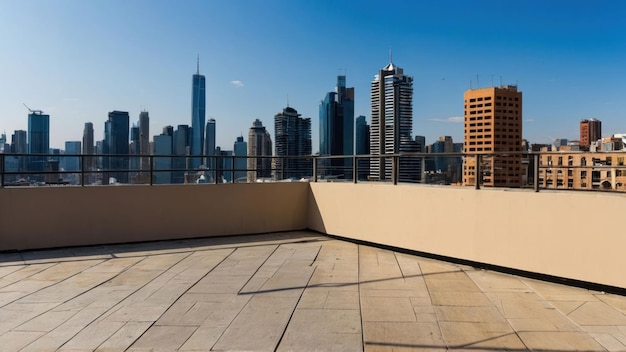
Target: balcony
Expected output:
[310,266]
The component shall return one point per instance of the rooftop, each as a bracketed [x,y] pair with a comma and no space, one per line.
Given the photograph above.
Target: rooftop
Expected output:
[287,291]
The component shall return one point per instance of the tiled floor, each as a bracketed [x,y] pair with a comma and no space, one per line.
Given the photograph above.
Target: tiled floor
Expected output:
[295,291]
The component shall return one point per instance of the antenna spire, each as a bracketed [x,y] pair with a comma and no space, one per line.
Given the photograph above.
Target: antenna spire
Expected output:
[390,56]
[198,64]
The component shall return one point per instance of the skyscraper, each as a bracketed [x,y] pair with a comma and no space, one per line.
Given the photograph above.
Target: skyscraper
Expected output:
[240,150]
[19,145]
[72,163]
[362,145]
[493,123]
[163,148]
[259,152]
[337,128]
[590,132]
[392,124]
[198,117]
[292,135]
[116,143]
[180,150]
[209,145]
[144,140]
[88,148]
[38,139]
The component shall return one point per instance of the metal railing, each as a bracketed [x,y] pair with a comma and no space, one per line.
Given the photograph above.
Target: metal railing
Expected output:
[499,169]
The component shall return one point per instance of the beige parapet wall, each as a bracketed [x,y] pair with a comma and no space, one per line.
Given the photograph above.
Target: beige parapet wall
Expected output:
[577,235]
[46,217]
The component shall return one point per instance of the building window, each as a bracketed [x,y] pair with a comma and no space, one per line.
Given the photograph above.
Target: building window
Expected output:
[560,162]
[583,161]
[583,174]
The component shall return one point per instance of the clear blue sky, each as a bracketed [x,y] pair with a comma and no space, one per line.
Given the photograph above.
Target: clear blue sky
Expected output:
[77,60]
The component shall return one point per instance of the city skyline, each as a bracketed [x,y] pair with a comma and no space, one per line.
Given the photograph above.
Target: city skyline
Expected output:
[566,56]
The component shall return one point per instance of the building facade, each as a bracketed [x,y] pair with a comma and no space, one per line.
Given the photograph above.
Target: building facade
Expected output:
[392,124]
[259,152]
[209,145]
[180,151]
[590,132]
[162,161]
[240,150]
[116,144]
[336,113]
[292,135]
[362,146]
[38,140]
[493,124]
[144,140]
[582,170]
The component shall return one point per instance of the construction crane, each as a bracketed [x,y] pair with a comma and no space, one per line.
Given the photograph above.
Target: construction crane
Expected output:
[36,112]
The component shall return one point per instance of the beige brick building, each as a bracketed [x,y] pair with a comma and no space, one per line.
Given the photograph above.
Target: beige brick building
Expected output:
[582,170]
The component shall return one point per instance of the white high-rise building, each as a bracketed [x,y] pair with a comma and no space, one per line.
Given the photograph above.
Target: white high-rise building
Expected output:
[392,124]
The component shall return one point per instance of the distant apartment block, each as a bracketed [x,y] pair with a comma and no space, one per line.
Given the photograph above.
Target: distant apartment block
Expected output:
[493,124]
[590,132]
[582,170]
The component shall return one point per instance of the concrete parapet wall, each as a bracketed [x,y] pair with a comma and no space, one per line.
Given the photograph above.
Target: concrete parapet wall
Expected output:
[576,235]
[46,217]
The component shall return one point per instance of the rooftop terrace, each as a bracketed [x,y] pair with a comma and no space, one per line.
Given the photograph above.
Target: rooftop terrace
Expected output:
[289,291]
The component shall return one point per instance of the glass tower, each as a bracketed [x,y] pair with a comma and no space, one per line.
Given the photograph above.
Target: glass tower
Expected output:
[38,139]
[116,143]
[337,128]
[198,117]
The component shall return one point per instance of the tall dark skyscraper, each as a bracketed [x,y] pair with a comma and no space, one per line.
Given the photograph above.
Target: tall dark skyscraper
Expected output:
[89,147]
[116,142]
[180,150]
[209,144]
[38,139]
[259,146]
[337,128]
[292,138]
[240,151]
[362,145]
[198,117]
[392,124]
[144,139]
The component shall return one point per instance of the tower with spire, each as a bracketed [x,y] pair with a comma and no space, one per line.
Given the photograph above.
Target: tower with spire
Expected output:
[392,124]
[198,117]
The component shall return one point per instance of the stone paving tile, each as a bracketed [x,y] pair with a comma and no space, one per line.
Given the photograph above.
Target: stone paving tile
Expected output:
[16,340]
[323,330]
[560,341]
[393,336]
[23,273]
[162,338]
[499,336]
[597,313]
[124,337]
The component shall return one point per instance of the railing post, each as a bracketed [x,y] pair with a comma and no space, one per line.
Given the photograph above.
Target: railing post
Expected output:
[232,168]
[355,168]
[82,170]
[394,169]
[536,172]
[214,158]
[478,171]
[314,169]
[282,168]
[2,175]
[151,160]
